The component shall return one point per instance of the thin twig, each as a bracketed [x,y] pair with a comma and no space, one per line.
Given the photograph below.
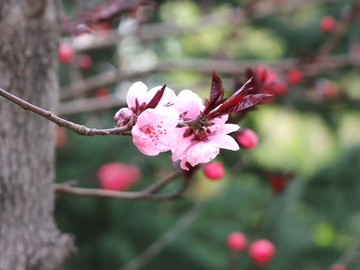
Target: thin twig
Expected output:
[170,236]
[204,66]
[159,30]
[81,105]
[79,129]
[148,193]
[351,255]
[160,184]
[106,13]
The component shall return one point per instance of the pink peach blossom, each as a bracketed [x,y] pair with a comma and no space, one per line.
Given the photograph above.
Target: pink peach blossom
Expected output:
[201,145]
[154,131]
[189,104]
[138,97]
[139,91]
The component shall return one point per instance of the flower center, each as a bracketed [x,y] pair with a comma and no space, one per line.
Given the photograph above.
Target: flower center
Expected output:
[154,131]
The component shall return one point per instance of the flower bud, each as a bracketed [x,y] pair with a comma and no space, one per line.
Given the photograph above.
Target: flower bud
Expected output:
[338,267]
[327,88]
[66,53]
[123,116]
[85,62]
[327,24]
[102,93]
[236,241]
[247,139]
[295,76]
[214,170]
[117,176]
[262,251]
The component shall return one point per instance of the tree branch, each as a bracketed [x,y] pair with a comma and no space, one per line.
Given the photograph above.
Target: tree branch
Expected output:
[159,30]
[203,66]
[79,129]
[106,13]
[351,255]
[148,193]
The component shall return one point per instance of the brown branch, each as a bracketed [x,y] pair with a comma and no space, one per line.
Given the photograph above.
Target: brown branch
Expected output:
[94,104]
[351,255]
[90,105]
[106,13]
[341,29]
[148,193]
[159,30]
[79,129]
[204,66]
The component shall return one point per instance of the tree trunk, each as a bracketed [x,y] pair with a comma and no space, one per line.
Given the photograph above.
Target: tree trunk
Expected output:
[29,238]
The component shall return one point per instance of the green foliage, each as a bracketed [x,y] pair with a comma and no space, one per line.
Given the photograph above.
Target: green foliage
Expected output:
[314,140]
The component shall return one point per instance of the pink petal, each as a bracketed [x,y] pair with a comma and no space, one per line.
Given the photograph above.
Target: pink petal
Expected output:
[142,142]
[220,121]
[189,102]
[154,131]
[202,152]
[183,164]
[228,128]
[182,144]
[137,91]
[225,141]
[169,97]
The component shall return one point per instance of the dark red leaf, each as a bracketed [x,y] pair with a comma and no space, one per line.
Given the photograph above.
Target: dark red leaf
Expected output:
[243,90]
[246,102]
[216,93]
[156,99]
[234,100]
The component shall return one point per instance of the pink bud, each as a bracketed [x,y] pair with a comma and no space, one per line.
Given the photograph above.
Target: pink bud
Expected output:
[338,267]
[123,116]
[327,24]
[236,241]
[280,88]
[85,62]
[327,88]
[66,53]
[117,176]
[261,251]
[102,93]
[214,170]
[248,139]
[295,76]
[102,27]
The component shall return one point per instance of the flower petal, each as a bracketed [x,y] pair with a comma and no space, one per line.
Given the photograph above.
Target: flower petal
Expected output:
[226,142]
[137,91]
[228,128]
[182,144]
[154,131]
[169,97]
[189,102]
[202,152]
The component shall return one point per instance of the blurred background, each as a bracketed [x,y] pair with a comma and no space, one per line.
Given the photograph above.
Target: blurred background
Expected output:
[298,187]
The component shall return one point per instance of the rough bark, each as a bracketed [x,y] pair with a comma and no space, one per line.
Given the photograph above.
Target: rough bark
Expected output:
[29,238]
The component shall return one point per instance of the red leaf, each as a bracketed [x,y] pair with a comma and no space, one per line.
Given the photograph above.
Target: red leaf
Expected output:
[156,99]
[247,102]
[243,90]
[216,94]
[234,100]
